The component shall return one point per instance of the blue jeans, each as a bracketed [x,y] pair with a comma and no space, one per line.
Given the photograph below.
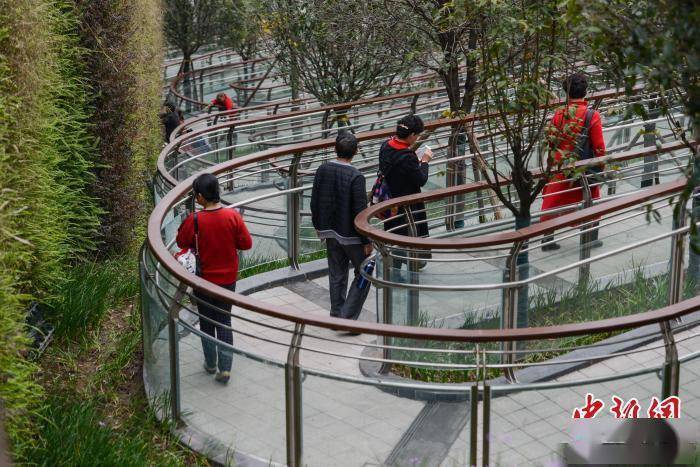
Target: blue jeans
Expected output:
[217,324]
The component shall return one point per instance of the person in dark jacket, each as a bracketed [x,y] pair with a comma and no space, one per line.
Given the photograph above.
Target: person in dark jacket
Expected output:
[170,119]
[405,174]
[339,194]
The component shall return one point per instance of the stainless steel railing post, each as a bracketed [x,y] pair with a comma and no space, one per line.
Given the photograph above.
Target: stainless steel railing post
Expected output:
[486,412]
[174,352]
[386,311]
[584,272]
[294,214]
[676,269]
[473,423]
[293,400]
[413,305]
[650,169]
[672,367]
[509,315]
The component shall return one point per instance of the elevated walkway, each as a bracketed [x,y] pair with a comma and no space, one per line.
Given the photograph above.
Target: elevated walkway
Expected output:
[442,372]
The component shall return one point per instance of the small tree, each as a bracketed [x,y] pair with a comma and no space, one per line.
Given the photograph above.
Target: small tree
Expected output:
[442,36]
[516,86]
[189,25]
[332,49]
[241,27]
[655,42]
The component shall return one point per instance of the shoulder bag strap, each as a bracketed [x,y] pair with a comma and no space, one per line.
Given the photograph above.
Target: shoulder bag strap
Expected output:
[197,259]
[582,139]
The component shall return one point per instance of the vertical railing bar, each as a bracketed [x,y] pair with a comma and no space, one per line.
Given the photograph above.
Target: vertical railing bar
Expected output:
[676,269]
[671,371]
[173,350]
[412,269]
[387,318]
[486,427]
[509,315]
[293,214]
[586,235]
[293,400]
[473,415]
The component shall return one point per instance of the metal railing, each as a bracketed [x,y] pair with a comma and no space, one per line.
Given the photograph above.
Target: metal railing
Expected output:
[285,352]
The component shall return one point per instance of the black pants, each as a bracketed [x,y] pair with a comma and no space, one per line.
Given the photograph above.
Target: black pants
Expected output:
[344,303]
[217,324]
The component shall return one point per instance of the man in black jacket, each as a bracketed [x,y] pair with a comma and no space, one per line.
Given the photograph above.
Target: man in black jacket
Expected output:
[338,195]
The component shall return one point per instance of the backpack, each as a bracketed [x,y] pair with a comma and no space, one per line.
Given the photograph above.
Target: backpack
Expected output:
[583,144]
[381,192]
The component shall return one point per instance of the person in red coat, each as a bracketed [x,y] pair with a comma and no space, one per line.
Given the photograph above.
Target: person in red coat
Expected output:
[222,101]
[565,128]
[220,233]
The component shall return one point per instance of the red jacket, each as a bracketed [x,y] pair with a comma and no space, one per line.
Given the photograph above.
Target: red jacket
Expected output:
[227,104]
[222,233]
[567,129]
[558,192]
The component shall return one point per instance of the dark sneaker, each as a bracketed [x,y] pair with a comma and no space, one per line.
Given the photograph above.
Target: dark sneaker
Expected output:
[223,376]
[596,243]
[210,370]
[548,244]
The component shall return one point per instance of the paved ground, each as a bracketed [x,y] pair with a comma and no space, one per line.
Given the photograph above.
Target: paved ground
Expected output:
[350,424]
[527,427]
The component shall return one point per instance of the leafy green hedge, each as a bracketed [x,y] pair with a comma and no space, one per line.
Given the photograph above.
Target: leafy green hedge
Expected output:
[75,148]
[48,218]
[124,69]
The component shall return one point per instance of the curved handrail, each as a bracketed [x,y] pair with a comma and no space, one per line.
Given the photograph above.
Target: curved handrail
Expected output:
[321,108]
[181,76]
[328,143]
[163,256]
[364,226]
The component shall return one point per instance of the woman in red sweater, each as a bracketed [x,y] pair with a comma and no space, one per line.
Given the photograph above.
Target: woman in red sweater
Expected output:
[221,233]
[567,124]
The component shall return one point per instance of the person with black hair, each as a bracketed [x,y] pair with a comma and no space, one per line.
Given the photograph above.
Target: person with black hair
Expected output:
[405,174]
[170,119]
[576,132]
[337,197]
[222,102]
[216,234]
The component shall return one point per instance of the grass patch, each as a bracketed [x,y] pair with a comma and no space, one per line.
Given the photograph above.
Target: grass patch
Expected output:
[88,293]
[252,264]
[96,406]
[587,301]
[74,433]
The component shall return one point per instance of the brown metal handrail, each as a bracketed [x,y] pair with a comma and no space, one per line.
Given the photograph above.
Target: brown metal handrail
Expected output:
[329,143]
[163,256]
[180,76]
[320,108]
[363,225]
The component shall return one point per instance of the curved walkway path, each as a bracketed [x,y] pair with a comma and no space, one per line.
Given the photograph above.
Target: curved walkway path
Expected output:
[322,401]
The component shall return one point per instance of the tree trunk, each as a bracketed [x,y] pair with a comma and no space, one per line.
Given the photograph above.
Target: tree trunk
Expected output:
[456,175]
[187,82]
[694,253]
[523,263]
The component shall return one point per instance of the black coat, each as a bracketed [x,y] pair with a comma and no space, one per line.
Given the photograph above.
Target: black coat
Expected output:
[338,195]
[405,175]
